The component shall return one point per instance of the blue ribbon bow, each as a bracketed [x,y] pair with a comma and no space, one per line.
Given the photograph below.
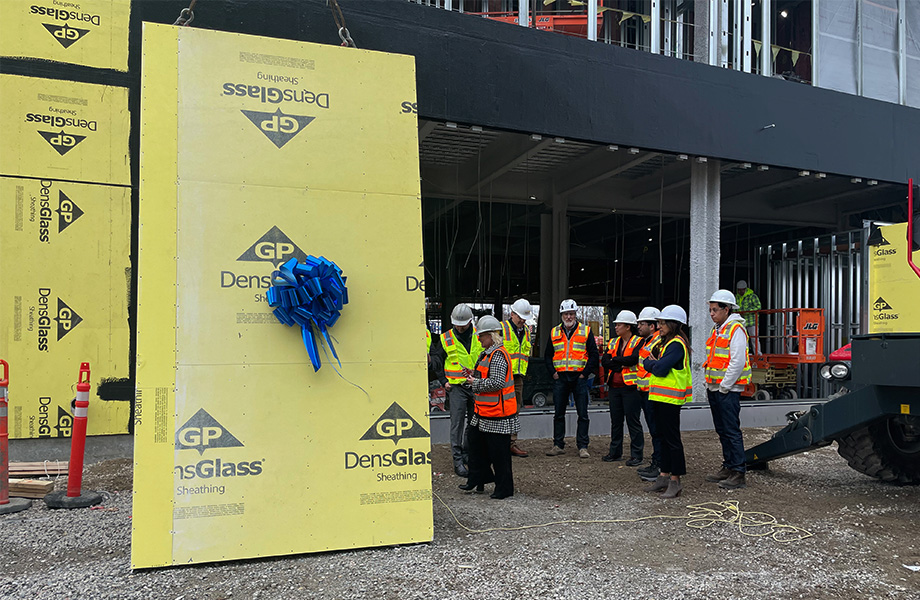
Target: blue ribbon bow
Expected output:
[310,294]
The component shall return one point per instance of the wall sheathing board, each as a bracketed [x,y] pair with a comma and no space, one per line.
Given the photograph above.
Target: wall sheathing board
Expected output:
[64,250]
[254,151]
[92,33]
[893,286]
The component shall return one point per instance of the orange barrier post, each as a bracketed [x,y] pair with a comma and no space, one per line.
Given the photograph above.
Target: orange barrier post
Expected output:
[6,504]
[75,497]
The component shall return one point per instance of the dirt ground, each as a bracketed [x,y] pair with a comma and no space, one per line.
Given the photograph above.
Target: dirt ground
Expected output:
[863,534]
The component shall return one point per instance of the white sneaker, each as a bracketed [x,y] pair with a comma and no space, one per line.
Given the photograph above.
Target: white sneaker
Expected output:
[583,453]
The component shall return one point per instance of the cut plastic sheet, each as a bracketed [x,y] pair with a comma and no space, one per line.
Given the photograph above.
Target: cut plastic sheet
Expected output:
[893,305]
[64,300]
[64,130]
[264,151]
[93,33]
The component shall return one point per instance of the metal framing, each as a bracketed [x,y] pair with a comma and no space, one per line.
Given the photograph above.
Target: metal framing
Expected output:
[826,272]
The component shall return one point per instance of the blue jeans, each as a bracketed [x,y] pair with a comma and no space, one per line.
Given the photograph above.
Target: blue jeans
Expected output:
[578,387]
[726,416]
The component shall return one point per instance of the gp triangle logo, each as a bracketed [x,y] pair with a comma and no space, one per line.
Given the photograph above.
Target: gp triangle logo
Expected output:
[394,424]
[67,211]
[277,126]
[273,247]
[66,35]
[203,431]
[62,142]
[882,241]
[66,318]
[880,304]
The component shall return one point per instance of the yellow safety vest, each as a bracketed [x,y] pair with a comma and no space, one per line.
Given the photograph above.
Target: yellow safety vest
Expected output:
[718,354]
[428,335]
[518,350]
[457,356]
[677,386]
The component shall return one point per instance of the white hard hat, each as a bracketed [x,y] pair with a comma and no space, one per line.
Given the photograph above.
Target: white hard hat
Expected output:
[488,323]
[742,285]
[724,297]
[568,305]
[626,316]
[672,312]
[522,308]
[461,315]
[649,313]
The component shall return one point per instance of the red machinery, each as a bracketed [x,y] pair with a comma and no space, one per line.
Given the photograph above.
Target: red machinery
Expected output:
[560,20]
[789,337]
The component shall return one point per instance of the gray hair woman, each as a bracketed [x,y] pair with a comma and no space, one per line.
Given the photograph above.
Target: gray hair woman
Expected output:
[495,415]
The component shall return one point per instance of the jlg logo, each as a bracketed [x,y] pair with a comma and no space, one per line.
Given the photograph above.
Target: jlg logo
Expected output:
[277,126]
[62,142]
[810,327]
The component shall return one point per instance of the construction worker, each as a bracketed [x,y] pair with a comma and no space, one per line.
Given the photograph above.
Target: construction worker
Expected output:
[670,386]
[620,361]
[749,301]
[516,336]
[648,329]
[727,369]
[458,350]
[496,413]
[571,355]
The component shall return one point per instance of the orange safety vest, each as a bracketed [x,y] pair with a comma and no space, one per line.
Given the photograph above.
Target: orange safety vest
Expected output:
[500,403]
[642,376]
[718,354]
[570,353]
[629,373]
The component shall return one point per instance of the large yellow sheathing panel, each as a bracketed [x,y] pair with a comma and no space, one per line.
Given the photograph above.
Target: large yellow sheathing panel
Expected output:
[64,130]
[65,275]
[894,288]
[254,151]
[93,33]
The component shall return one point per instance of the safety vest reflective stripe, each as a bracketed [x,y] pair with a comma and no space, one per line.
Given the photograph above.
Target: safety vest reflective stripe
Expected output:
[718,355]
[643,376]
[518,350]
[629,373]
[677,386]
[457,356]
[428,335]
[498,403]
[570,353]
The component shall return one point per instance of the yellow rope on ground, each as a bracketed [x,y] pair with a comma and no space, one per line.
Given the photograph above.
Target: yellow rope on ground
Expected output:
[700,516]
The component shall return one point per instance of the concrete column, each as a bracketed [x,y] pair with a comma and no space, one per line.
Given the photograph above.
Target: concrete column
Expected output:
[701,33]
[545,321]
[560,253]
[705,225]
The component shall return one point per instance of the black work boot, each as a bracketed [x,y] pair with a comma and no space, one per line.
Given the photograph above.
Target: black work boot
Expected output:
[649,473]
[735,481]
[722,475]
[460,469]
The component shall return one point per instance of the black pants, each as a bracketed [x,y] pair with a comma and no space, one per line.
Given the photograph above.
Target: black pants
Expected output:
[490,451]
[626,402]
[667,420]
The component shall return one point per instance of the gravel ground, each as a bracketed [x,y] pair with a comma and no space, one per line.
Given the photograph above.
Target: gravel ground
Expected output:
[864,534]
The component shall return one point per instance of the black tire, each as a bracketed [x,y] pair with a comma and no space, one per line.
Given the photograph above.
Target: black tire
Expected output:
[888,450]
